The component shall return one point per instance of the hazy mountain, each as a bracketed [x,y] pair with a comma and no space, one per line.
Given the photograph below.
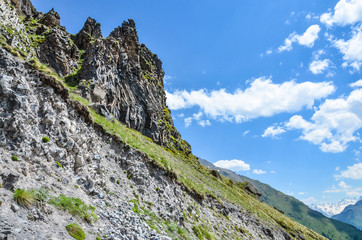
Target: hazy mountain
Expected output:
[295,209]
[330,209]
[352,214]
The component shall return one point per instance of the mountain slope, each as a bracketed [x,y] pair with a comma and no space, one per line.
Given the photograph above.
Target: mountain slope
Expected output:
[330,209]
[351,214]
[71,168]
[295,209]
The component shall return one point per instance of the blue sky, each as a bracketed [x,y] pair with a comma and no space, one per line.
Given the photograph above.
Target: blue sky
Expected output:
[270,89]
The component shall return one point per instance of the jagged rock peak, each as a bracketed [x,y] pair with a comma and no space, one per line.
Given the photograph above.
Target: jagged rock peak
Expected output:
[90,31]
[92,27]
[128,29]
[51,19]
[25,8]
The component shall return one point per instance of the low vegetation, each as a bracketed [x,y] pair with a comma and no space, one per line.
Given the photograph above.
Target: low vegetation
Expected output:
[75,206]
[75,231]
[24,198]
[45,139]
[203,233]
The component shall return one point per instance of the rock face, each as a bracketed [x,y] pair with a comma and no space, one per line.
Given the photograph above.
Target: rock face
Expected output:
[50,142]
[127,78]
[90,32]
[117,72]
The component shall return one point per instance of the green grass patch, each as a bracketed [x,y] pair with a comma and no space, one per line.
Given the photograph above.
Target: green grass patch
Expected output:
[202,233]
[24,198]
[75,206]
[75,231]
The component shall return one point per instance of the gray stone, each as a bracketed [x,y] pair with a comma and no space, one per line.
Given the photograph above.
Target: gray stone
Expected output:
[15,207]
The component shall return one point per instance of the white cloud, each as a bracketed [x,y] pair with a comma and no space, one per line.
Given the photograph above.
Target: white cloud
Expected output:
[351,49]
[356,84]
[245,133]
[345,12]
[168,77]
[234,165]
[273,131]
[175,101]
[343,185]
[204,123]
[197,117]
[258,171]
[188,121]
[334,124]
[307,39]
[319,66]
[302,193]
[344,188]
[353,172]
[262,98]
[272,171]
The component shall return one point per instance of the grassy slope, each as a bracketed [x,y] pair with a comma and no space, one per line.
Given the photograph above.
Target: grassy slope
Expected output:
[297,210]
[194,176]
[351,214]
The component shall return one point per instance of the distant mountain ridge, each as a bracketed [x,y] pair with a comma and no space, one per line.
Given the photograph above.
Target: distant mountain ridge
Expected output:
[352,214]
[330,209]
[295,209]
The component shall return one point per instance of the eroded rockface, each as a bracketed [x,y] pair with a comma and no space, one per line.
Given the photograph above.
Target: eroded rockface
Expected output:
[117,72]
[82,160]
[127,78]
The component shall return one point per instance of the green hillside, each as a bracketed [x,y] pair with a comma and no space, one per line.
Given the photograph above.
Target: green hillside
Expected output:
[351,214]
[295,209]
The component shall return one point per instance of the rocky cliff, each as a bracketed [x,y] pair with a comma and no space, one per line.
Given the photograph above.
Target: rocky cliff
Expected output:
[71,170]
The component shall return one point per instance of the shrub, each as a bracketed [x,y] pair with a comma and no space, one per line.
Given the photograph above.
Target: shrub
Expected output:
[14,158]
[75,206]
[24,198]
[75,231]
[45,139]
[41,194]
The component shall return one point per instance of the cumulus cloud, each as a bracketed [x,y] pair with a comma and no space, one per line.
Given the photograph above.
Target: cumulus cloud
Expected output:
[262,98]
[307,39]
[273,131]
[334,124]
[319,66]
[353,172]
[351,49]
[234,165]
[198,118]
[345,12]
[258,171]
[356,84]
